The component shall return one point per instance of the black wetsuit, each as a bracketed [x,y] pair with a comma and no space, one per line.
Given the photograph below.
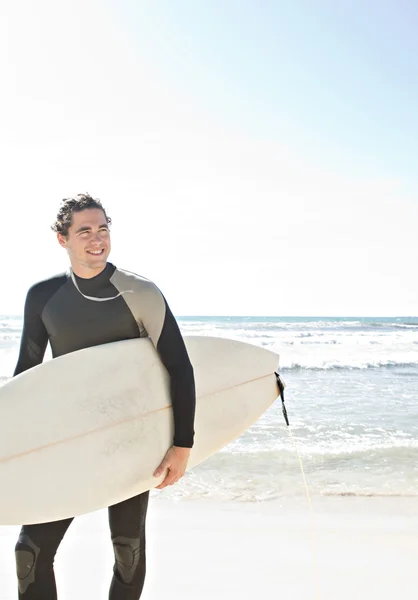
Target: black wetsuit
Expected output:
[71,314]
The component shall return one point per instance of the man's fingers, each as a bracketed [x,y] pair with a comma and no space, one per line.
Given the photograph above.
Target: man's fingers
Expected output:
[171,478]
[160,470]
[164,484]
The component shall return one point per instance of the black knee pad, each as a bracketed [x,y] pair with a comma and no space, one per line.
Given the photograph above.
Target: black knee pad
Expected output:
[26,553]
[127,555]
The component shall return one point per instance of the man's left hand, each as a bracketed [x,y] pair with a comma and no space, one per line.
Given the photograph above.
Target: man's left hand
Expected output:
[175,462]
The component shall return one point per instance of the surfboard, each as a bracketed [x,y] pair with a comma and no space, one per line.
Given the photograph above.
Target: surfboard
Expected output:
[87,430]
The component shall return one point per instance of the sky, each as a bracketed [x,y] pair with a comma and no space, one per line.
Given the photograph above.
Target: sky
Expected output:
[256,158]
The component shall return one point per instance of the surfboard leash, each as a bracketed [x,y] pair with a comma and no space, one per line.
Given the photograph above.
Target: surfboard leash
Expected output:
[281,386]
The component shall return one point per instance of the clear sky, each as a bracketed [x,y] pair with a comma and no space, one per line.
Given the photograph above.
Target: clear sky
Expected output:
[256,157]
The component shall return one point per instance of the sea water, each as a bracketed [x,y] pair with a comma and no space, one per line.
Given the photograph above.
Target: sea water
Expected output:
[352,402]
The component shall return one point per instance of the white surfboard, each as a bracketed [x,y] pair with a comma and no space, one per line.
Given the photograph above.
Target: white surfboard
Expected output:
[87,430]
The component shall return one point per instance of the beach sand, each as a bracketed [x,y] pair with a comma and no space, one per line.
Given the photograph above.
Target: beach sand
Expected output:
[200,549]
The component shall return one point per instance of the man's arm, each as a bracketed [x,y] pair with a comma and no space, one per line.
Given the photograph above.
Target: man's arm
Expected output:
[34,335]
[166,337]
[172,351]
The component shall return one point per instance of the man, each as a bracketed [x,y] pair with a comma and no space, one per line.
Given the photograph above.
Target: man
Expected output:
[95,303]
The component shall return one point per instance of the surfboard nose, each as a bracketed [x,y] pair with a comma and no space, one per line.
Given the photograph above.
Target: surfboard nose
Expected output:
[222,363]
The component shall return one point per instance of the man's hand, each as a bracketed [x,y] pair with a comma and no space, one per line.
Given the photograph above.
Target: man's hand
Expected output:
[175,462]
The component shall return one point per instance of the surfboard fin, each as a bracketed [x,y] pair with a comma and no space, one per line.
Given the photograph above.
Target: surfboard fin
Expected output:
[281,385]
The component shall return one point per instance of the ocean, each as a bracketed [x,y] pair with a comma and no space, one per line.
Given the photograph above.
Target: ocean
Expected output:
[352,402]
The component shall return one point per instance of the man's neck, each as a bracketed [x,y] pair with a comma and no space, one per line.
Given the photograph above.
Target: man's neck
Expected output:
[87,272]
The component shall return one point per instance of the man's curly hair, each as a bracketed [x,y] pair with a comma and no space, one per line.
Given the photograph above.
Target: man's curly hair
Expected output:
[71,205]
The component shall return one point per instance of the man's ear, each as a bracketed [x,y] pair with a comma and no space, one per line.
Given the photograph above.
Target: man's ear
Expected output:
[62,240]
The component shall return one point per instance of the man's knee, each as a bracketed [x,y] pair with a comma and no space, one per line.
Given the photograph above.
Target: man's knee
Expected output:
[26,553]
[129,558]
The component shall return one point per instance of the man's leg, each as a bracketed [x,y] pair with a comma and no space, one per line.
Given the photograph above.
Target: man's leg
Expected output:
[127,527]
[35,552]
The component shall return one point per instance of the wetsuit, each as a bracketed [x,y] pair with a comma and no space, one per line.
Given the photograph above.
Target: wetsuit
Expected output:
[74,313]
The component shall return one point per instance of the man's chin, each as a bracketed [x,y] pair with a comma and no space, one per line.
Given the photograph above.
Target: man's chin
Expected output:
[96,263]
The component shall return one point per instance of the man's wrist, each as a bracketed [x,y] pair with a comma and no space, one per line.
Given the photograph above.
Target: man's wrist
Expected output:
[183,443]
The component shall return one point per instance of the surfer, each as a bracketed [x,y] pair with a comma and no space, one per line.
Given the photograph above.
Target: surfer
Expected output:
[95,303]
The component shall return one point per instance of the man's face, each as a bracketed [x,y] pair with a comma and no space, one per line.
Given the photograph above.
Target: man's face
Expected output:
[88,242]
